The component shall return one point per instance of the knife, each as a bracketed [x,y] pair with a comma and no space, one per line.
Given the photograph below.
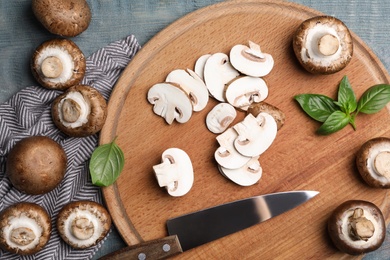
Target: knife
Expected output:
[197,228]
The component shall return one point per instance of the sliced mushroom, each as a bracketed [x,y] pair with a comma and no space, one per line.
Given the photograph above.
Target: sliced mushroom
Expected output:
[25,228]
[243,91]
[175,173]
[247,175]
[357,227]
[251,60]
[220,117]
[193,85]
[170,102]
[255,134]
[323,44]
[199,65]
[80,111]
[226,155]
[58,64]
[218,72]
[256,108]
[373,162]
[82,224]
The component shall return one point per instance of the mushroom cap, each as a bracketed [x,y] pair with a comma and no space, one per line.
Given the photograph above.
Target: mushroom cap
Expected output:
[25,228]
[36,165]
[246,175]
[83,224]
[339,227]
[199,65]
[373,162]
[308,37]
[66,18]
[80,111]
[67,55]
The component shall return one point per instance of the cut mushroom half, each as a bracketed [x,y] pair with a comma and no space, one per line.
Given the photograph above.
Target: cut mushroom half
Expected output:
[80,111]
[170,102]
[255,134]
[251,60]
[373,162]
[246,90]
[58,64]
[220,117]
[82,224]
[175,172]
[25,228]
[193,85]
[199,65]
[323,45]
[218,72]
[247,175]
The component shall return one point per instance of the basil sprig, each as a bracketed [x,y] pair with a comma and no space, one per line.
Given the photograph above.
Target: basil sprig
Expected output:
[106,164]
[335,115]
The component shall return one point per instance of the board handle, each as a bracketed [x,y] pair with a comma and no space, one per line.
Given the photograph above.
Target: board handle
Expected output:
[155,249]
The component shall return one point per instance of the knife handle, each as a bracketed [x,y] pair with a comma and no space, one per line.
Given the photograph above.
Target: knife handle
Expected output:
[155,249]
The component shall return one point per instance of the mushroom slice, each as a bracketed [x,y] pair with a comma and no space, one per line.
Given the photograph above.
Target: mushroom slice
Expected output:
[357,227]
[170,102]
[193,85]
[256,108]
[175,172]
[220,117]
[323,44]
[251,60]
[25,228]
[58,64]
[80,111]
[255,134]
[373,162]
[243,91]
[226,155]
[247,175]
[199,65]
[218,72]
[83,224]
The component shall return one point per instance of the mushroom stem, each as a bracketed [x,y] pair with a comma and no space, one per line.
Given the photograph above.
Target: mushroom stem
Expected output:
[382,164]
[254,50]
[328,45]
[82,228]
[51,67]
[22,236]
[360,227]
[70,110]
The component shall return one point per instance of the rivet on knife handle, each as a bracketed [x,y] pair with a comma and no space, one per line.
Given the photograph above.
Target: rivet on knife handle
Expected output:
[154,249]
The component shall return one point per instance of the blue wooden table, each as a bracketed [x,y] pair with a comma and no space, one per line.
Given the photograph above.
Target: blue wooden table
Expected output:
[20,33]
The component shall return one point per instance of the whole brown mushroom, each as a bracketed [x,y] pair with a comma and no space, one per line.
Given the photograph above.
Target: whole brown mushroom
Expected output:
[36,165]
[83,224]
[25,228]
[80,111]
[66,18]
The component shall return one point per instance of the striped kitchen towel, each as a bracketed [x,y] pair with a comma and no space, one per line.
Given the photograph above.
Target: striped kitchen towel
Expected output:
[27,113]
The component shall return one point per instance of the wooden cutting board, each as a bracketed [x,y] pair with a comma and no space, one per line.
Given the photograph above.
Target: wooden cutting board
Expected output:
[298,159]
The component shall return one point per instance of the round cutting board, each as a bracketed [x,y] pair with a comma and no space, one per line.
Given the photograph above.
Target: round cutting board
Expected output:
[299,159]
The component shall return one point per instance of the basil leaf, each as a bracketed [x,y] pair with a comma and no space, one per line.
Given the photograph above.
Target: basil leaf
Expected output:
[374,99]
[335,122]
[346,97]
[106,164]
[317,106]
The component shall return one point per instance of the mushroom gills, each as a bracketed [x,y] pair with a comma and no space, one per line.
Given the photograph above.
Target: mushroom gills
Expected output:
[246,175]
[74,110]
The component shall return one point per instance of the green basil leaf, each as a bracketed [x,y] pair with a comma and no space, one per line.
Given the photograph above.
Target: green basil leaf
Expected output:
[346,97]
[335,122]
[374,99]
[318,107]
[106,164]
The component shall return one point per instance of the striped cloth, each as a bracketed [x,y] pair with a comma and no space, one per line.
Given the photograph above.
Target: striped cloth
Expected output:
[27,113]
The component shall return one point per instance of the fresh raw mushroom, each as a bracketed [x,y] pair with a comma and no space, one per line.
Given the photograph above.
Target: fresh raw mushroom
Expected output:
[36,165]
[323,45]
[175,172]
[243,91]
[373,162]
[199,65]
[220,117]
[80,111]
[63,17]
[58,64]
[246,175]
[256,108]
[25,228]
[251,60]
[357,227]
[82,224]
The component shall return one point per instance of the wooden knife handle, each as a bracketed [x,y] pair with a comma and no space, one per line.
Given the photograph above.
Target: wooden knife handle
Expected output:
[154,249]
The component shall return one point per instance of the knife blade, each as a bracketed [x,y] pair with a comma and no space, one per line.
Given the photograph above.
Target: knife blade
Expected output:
[197,228]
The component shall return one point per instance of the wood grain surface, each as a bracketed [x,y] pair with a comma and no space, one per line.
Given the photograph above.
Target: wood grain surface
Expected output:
[298,159]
